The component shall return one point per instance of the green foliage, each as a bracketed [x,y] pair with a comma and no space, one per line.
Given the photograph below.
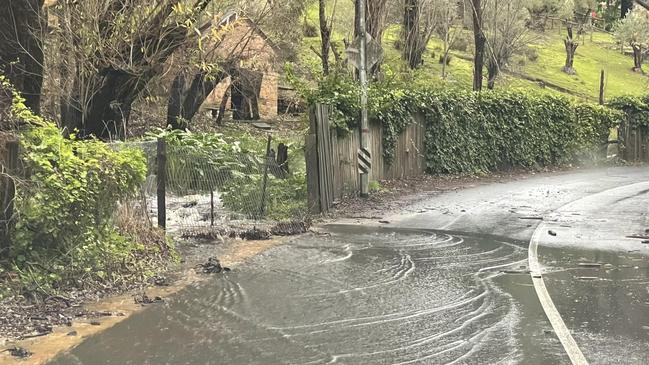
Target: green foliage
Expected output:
[65,232]
[635,108]
[634,29]
[338,90]
[479,132]
[234,167]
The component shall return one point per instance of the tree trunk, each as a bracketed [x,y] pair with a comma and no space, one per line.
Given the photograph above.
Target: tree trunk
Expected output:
[412,50]
[637,58]
[480,41]
[625,7]
[105,113]
[185,100]
[325,37]
[571,48]
[22,25]
[492,71]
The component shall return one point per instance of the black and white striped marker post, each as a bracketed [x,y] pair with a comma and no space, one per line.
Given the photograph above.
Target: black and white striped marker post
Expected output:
[364,161]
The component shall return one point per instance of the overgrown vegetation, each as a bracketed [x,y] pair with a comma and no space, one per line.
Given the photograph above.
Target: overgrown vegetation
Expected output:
[234,167]
[480,132]
[67,234]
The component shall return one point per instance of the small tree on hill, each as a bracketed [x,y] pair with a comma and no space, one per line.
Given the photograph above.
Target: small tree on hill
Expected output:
[634,31]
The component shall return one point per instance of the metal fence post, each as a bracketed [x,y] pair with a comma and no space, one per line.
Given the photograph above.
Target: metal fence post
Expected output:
[161,159]
[7,203]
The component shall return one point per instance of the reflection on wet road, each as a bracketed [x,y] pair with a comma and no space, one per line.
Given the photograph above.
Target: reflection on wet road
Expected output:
[368,297]
[604,298]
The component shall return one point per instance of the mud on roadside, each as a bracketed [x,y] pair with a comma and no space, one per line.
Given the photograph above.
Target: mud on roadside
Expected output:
[61,323]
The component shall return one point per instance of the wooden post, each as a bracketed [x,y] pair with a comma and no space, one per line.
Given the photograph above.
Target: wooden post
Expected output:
[7,203]
[162,183]
[601,88]
[262,208]
[212,208]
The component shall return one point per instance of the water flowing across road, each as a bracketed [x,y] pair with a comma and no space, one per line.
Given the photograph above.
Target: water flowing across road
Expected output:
[350,296]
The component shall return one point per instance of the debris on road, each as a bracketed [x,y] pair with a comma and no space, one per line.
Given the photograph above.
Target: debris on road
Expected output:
[589,264]
[144,299]
[552,233]
[18,352]
[213,266]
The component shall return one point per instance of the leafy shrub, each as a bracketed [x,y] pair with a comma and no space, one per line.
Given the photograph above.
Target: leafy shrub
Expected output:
[635,109]
[235,168]
[65,232]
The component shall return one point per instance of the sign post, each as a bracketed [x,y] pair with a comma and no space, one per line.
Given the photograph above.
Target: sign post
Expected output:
[366,167]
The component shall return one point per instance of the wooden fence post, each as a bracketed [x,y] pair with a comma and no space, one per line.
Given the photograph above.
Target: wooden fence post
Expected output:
[7,203]
[162,183]
[312,168]
[601,88]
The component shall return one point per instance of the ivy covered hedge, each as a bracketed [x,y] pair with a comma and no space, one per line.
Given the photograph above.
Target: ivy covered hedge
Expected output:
[478,132]
[635,109]
[471,132]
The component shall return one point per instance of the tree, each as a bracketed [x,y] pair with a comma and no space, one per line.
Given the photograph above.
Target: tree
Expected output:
[634,31]
[21,48]
[479,42]
[506,30]
[106,52]
[419,23]
[625,7]
[447,30]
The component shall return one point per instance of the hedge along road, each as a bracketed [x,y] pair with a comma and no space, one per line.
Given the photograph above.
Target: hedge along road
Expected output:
[408,293]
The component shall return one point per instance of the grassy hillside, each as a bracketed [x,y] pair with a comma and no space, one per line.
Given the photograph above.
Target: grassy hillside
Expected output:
[539,68]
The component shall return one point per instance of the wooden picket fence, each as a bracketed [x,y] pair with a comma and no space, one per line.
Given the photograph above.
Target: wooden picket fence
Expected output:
[332,163]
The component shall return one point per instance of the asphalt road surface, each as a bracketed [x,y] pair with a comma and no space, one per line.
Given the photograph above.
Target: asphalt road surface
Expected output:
[446,282]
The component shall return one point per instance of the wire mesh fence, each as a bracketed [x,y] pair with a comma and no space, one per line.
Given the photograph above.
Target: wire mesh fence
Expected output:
[209,193]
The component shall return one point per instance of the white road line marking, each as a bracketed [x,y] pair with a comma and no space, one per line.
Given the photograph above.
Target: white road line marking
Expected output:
[569,344]
[559,326]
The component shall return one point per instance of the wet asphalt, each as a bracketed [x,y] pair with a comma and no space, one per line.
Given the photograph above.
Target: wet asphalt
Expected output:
[445,282]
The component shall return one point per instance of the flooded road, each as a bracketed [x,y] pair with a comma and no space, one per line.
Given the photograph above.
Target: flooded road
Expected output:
[446,282]
[348,297]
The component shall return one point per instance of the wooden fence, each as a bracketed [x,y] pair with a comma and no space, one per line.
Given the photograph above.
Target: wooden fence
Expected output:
[8,168]
[332,164]
[634,143]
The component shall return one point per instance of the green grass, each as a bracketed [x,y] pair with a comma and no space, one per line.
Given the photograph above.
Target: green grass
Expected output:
[596,52]
[591,58]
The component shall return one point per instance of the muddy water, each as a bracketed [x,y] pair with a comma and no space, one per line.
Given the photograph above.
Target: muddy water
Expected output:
[348,297]
[604,299]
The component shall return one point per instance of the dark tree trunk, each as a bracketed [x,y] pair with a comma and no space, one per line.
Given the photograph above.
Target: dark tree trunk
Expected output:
[625,7]
[22,26]
[412,50]
[224,104]
[106,114]
[480,41]
[492,71]
[325,37]
[175,104]
[571,48]
[637,58]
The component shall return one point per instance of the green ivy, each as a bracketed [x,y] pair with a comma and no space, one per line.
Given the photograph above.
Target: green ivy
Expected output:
[636,109]
[471,132]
